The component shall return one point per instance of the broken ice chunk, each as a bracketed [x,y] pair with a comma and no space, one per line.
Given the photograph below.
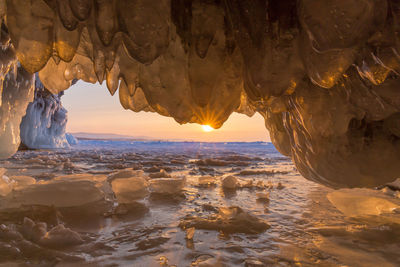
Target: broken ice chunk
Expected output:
[161,174]
[263,196]
[359,202]
[190,233]
[6,185]
[280,186]
[205,181]
[33,231]
[167,185]
[59,236]
[395,185]
[127,173]
[81,177]
[129,189]
[230,182]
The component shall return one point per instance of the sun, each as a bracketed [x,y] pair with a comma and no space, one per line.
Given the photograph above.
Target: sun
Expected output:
[207,128]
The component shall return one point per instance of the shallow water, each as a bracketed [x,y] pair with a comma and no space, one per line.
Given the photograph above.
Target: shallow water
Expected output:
[295,226]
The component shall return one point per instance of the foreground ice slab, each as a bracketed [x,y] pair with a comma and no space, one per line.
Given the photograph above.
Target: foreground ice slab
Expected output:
[323,75]
[58,193]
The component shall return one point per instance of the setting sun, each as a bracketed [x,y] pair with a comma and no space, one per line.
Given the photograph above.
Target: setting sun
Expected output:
[207,128]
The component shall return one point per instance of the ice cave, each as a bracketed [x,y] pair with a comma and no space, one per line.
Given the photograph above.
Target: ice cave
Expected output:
[324,74]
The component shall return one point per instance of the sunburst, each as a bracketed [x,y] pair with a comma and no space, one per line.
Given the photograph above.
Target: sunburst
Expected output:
[207,128]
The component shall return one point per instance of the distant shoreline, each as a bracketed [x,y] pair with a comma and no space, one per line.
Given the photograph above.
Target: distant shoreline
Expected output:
[169,141]
[116,137]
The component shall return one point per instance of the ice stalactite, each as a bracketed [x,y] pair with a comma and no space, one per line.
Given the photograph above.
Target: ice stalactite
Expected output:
[323,74]
[45,121]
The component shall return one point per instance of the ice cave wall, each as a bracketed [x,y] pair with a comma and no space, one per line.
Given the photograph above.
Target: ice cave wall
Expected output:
[324,74]
[16,91]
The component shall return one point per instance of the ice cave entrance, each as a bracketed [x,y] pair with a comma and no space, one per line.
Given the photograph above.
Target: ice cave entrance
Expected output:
[92,112]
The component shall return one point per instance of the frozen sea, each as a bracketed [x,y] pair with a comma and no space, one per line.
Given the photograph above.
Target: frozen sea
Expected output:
[181,210]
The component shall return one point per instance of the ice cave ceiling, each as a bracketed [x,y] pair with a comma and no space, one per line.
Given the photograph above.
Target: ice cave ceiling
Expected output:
[324,74]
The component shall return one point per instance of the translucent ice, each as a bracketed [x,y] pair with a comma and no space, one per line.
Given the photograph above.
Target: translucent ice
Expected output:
[22,181]
[129,189]
[127,173]
[167,185]
[6,185]
[58,193]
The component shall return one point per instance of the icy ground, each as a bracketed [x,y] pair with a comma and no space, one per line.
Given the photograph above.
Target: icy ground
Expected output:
[121,203]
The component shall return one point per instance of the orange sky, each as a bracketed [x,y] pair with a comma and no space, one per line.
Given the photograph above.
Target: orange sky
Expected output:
[92,109]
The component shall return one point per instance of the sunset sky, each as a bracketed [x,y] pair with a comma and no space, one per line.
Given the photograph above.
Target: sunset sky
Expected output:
[92,109]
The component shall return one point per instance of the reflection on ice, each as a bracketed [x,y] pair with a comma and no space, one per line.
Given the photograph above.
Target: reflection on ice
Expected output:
[359,202]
